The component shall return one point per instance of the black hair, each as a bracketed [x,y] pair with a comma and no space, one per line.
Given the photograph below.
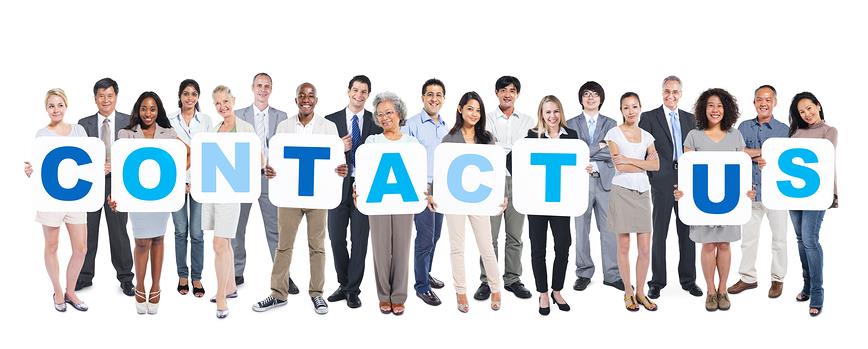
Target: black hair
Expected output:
[505,81]
[433,81]
[362,79]
[105,83]
[796,121]
[592,86]
[730,108]
[770,87]
[625,96]
[482,136]
[184,84]
[136,119]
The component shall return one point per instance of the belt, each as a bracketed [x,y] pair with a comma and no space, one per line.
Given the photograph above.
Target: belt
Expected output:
[262,171]
[595,174]
[675,165]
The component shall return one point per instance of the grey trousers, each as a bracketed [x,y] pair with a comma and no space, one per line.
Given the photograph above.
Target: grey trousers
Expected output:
[512,250]
[598,201]
[269,219]
[390,243]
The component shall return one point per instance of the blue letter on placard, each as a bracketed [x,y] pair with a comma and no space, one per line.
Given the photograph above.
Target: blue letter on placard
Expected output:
[50,175]
[392,162]
[811,178]
[456,169]
[306,156]
[168,174]
[730,189]
[553,163]
[214,159]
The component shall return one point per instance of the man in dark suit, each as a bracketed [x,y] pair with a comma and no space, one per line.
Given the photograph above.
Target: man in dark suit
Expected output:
[592,127]
[354,125]
[264,119]
[105,125]
[663,123]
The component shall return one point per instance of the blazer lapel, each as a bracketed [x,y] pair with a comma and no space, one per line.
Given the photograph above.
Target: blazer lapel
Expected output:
[582,128]
[661,119]
[366,124]
[685,124]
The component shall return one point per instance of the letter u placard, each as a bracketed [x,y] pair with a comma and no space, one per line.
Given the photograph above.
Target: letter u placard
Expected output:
[799,174]
[715,186]
[68,174]
[391,178]
[149,175]
[549,177]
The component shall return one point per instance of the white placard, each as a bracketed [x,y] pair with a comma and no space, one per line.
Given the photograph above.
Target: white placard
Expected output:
[149,175]
[715,186]
[68,174]
[469,178]
[225,167]
[799,173]
[549,177]
[401,172]
[310,182]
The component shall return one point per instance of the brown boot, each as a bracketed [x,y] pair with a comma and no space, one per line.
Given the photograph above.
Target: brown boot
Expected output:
[740,286]
[776,289]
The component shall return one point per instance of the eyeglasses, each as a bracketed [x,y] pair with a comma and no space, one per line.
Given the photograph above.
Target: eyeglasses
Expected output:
[387,114]
[432,95]
[589,94]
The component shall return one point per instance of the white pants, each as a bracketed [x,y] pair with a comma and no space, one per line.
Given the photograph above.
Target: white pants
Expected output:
[481,226]
[750,239]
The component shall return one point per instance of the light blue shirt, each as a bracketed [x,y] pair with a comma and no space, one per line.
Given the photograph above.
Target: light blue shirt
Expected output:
[755,134]
[428,133]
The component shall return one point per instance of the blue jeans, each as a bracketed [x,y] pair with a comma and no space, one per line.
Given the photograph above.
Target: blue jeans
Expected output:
[807,227]
[189,224]
[428,225]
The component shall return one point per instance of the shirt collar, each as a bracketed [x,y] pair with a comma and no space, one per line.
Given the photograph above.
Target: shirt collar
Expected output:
[424,117]
[667,111]
[257,111]
[111,116]
[591,116]
[309,124]
[767,124]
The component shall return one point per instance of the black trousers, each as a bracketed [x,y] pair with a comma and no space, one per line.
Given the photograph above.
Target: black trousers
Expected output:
[538,227]
[349,265]
[664,202]
[119,241]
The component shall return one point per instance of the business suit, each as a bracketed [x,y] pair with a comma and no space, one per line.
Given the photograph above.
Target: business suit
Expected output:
[119,240]
[662,185]
[268,210]
[599,187]
[350,265]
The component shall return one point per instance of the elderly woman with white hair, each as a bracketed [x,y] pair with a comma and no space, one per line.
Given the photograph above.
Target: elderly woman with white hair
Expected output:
[391,234]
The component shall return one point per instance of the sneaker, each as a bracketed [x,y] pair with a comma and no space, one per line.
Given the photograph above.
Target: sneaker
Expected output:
[319,305]
[268,303]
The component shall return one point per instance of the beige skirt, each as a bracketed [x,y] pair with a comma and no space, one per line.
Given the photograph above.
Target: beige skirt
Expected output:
[629,210]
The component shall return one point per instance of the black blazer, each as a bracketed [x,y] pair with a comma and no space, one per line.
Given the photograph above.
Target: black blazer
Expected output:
[571,134]
[368,128]
[91,124]
[654,122]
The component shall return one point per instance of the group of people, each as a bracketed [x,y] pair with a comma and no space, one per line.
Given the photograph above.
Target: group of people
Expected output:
[631,166]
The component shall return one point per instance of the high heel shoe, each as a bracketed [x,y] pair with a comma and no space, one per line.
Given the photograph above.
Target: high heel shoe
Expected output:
[78,306]
[462,303]
[222,313]
[562,306]
[183,289]
[61,307]
[544,311]
[153,307]
[198,292]
[495,301]
[141,307]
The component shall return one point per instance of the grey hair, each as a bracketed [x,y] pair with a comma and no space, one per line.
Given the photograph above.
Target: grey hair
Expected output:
[672,78]
[399,106]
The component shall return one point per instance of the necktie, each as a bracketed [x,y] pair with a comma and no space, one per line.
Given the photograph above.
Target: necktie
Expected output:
[592,126]
[259,123]
[105,136]
[357,139]
[676,136]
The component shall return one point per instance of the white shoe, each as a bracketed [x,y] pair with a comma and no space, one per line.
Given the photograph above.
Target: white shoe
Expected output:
[222,314]
[141,308]
[153,307]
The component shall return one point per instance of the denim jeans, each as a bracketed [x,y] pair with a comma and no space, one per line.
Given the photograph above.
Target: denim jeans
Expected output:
[428,226]
[807,227]
[189,225]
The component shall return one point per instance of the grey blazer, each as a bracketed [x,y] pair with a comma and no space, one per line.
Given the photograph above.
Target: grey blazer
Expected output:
[160,133]
[275,116]
[91,124]
[600,156]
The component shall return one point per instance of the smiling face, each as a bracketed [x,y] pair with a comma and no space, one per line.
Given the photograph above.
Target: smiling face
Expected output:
[148,112]
[358,94]
[388,117]
[714,111]
[764,101]
[262,89]
[56,108]
[224,103]
[631,110]
[809,111]
[470,113]
[551,115]
[189,98]
[432,99]
[105,99]
[671,94]
[507,96]
[590,101]
[305,99]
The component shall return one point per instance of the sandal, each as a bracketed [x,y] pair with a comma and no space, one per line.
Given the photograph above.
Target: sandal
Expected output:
[812,309]
[495,304]
[462,303]
[646,303]
[152,306]
[398,309]
[183,289]
[802,297]
[385,307]
[198,292]
[630,303]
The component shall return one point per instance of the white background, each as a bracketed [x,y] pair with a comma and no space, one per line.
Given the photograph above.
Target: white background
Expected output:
[553,47]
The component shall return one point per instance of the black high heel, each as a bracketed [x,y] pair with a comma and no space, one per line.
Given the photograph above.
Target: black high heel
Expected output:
[183,289]
[545,311]
[562,306]
[198,292]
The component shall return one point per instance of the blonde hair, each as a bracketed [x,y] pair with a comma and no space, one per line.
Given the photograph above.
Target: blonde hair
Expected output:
[221,88]
[540,121]
[56,92]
